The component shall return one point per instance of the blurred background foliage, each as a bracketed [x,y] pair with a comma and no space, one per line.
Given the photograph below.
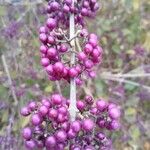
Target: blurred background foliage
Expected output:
[123,77]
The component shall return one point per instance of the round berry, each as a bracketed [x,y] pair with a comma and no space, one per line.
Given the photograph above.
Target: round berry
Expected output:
[27,133]
[36,119]
[88,125]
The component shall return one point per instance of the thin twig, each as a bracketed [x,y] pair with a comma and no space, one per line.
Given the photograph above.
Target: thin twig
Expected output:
[126,81]
[9,79]
[78,45]
[58,87]
[127,75]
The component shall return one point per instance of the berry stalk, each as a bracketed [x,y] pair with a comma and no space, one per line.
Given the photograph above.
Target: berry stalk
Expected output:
[72,107]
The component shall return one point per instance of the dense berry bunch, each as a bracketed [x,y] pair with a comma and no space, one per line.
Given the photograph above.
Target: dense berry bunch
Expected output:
[50,125]
[56,47]
[60,10]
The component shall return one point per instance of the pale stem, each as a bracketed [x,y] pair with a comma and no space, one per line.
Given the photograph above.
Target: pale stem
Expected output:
[58,87]
[121,80]
[9,79]
[72,107]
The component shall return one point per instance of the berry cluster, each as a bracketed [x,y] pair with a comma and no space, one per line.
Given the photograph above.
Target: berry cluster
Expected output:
[60,10]
[51,127]
[56,45]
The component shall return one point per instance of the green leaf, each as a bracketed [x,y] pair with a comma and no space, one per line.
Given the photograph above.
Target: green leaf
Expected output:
[136,4]
[119,62]
[130,111]
[116,49]
[5,116]
[100,87]
[3,92]
[129,87]
[24,121]
[130,114]
[134,132]
[2,10]
[48,89]
[128,3]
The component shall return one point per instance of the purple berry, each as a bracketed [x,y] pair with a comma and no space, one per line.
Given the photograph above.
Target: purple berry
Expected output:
[36,119]
[58,67]
[61,136]
[56,99]
[43,49]
[101,105]
[80,105]
[55,6]
[45,62]
[73,73]
[31,145]
[50,141]
[27,133]
[51,23]
[52,52]
[76,126]
[25,111]
[43,110]
[43,38]
[88,48]
[114,113]
[82,56]
[53,113]
[88,125]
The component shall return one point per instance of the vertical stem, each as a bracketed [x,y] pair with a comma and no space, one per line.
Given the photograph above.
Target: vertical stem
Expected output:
[72,107]
[58,87]
[9,79]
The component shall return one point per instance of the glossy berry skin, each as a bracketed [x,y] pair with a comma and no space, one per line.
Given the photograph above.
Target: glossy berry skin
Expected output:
[51,23]
[36,119]
[51,52]
[62,110]
[24,111]
[49,69]
[89,99]
[88,125]
[71,134]
[56,99]
[51,126]
[88,48]
[82,56]
[50,141]
[63,48]
[101,105]
[114,113]
[57,47]
[27,133]
[32,106]
[61,136]
[55,6]
[58,67]
[31,145]
[45,62]
[43,110]
[60,130]
[73,73]
[114,125]
[76,126]
[43,29]
[43,49]
[53,113]
[80,105]
[43,38]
